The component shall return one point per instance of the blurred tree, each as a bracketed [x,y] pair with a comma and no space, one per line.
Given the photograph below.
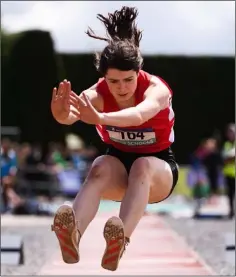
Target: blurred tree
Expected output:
[204,90]
[7,42]
[34,72]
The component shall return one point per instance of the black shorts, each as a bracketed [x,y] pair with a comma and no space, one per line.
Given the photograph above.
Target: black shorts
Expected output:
[127,159]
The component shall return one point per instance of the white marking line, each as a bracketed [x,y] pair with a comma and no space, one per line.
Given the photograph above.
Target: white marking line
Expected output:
[230,257]
[230,239]
[230,254]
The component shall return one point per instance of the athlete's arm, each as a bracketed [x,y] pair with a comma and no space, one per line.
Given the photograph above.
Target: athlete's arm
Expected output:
[156,98]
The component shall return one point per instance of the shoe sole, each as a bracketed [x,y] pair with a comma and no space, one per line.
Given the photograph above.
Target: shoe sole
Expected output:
[115,240]
[65,228]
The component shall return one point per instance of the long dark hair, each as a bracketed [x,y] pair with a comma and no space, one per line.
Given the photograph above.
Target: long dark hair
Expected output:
[123,37]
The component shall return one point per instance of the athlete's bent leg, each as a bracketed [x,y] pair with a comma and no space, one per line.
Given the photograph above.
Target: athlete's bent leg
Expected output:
[150,180]
[108,179]
[107,173]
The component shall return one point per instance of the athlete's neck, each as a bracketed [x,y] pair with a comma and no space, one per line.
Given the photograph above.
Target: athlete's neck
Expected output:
[127,104]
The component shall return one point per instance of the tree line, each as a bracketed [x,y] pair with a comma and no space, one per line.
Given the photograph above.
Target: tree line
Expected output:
[204,92]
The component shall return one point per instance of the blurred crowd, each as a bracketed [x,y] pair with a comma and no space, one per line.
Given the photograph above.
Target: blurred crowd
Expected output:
[212,169]
[28,176]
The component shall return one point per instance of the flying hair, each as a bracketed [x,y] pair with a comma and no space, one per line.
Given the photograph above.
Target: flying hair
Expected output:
[119,25]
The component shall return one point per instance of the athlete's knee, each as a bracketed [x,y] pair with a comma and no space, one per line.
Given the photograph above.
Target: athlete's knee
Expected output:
[104,167]
[140,168]
[141,165]
[103,171]
[101,167]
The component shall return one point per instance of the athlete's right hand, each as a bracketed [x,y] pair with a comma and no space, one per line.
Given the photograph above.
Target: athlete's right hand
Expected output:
[63,103]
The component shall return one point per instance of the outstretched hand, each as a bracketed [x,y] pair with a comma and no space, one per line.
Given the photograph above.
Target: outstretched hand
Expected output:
[88,113]
[63,102]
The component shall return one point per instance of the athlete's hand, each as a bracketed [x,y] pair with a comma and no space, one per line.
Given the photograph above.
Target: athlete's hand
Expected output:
[88,113]
[64,102]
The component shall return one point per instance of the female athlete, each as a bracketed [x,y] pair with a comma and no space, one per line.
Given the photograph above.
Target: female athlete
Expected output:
[132,112]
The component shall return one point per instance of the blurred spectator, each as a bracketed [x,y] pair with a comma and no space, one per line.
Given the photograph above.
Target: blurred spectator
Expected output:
[19,205]
[72,177]
[58,157]
[205,172]
[8,169]
[197,176]
[76,147]
[90,154]
[34,167]
[213,163]
[8,159]
[198,155]
[229,166]
[35,176]
[34,157]
[25,175]
[23,152]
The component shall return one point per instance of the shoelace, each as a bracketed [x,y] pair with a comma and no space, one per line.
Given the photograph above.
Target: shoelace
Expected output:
[127,241]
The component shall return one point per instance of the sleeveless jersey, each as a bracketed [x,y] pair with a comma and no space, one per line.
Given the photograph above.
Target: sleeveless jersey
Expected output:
[152,136]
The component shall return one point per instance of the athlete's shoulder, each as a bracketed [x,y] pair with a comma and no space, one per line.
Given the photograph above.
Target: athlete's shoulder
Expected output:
[100,81]
[148,78]
[143,81]
[153,79]
[159,80]
[144,76]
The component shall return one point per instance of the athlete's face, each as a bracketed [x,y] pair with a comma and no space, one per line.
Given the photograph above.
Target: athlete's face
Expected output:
[122,84]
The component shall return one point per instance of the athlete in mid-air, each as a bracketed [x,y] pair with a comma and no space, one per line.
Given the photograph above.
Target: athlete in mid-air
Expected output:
[133,115]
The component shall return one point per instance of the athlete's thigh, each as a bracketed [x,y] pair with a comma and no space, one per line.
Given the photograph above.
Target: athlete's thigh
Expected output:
[158,174]
[114,173]
[161,181]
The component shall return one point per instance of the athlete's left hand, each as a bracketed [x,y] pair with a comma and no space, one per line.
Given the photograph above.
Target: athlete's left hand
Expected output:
[88,113]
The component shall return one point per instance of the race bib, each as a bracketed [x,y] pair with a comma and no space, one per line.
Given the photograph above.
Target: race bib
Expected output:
[132,137]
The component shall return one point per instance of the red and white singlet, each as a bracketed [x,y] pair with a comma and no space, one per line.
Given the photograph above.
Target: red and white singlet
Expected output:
[152,136]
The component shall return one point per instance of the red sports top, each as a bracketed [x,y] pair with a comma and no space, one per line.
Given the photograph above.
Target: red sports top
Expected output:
[154,135]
